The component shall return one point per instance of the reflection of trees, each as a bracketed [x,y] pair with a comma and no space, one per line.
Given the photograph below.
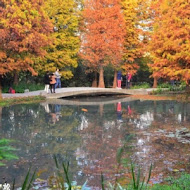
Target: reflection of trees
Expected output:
[32,124]
[42,138]
[101,140]
[102,137]
[166,153]
[153,144]
[91,138]
[148,112]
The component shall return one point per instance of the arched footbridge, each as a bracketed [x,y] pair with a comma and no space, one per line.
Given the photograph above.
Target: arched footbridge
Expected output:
[79,91]
[90,91]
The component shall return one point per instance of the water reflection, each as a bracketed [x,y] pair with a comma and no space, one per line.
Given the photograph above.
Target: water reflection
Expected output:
[89,135]
[119,112]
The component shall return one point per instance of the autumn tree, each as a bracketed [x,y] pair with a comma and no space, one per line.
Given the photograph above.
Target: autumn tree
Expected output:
[62,54]
[132,42]
[24,30]
[102,35]
[170,44]
[136,15]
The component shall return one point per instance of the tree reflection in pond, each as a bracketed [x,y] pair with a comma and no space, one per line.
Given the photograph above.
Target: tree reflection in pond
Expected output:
[89,136]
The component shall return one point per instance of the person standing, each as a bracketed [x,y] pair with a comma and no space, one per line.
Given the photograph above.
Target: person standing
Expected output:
[52,83]
[58,79]
[119,77]
[47,82]
[128,80]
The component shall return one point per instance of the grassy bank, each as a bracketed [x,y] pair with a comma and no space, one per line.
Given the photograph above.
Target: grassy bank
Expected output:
[159,97]
[25,100]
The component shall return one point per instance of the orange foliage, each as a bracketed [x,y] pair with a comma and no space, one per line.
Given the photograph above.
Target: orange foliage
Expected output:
[102,33]
[24,30]
[170,45]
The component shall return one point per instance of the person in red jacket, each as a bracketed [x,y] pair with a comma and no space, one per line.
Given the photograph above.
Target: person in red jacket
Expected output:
[128,80]
[11,90]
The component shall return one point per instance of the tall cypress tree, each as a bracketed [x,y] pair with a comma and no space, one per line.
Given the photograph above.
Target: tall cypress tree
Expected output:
[170,44]
[24,32]
[64,15]
[102,35]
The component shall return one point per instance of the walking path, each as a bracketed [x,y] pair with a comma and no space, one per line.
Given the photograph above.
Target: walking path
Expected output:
[26,94]
[74,91]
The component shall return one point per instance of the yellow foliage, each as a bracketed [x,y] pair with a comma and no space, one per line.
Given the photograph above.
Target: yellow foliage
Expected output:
[134,13]
[62,53]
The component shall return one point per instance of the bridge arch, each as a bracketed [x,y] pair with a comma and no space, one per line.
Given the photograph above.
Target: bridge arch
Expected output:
[89,91]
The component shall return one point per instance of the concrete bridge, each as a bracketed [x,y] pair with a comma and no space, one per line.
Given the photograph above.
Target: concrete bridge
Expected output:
[79,91]
[90,91]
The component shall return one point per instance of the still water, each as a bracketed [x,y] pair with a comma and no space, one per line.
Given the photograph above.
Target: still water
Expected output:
[89,132]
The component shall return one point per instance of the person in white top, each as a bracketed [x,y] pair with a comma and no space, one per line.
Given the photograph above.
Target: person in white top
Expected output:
[58,79]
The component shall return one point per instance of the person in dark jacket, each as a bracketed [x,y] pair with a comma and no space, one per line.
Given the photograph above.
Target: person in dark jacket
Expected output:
[128,80]
[47,82]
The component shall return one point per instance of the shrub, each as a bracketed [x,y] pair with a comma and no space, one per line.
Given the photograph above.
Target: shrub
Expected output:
[22,86]
[142,85]
[164,85]
[157,91]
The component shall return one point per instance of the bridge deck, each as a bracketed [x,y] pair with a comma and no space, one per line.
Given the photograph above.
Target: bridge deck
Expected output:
[89,91]
[79,91]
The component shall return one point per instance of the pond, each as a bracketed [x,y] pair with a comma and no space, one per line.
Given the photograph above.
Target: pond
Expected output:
[89,131]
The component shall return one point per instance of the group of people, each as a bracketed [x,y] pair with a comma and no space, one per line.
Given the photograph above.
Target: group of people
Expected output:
[53,112]
[128,79]
[52,81]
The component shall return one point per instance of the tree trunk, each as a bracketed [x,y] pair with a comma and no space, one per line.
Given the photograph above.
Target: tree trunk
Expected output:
[101,78]
[0,90]
[155,82]
[115,79]
[95,81]
[15,82]
[187,89]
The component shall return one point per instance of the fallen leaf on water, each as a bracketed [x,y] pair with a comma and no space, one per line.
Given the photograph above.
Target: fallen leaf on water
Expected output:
[41,171]
[83,109]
